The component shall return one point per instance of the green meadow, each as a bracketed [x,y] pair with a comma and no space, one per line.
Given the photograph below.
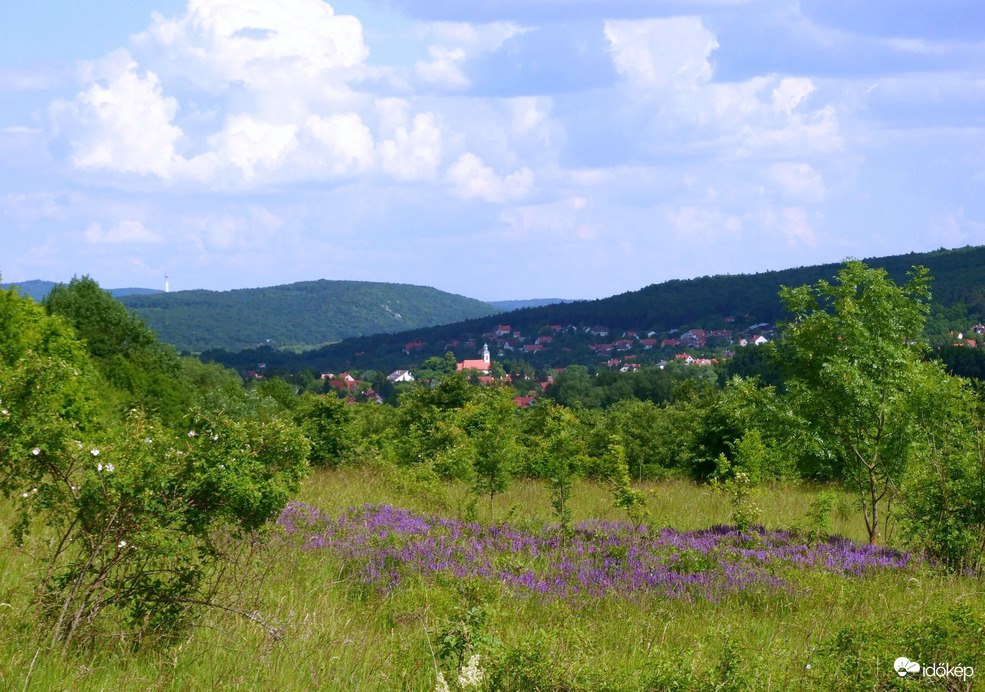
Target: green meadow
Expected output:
[308,622]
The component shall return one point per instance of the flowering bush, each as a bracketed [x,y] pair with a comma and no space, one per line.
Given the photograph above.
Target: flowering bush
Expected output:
[132,517]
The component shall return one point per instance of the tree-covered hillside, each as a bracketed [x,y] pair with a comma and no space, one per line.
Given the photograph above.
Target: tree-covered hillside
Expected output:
[297,315]
[709,302]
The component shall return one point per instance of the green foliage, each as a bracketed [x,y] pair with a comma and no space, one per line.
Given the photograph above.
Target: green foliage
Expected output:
[130,521]
[326,420]
[561,450]
[624,496]
[817,522]
[140,521]
[853,359]
[490,422]
[943,497]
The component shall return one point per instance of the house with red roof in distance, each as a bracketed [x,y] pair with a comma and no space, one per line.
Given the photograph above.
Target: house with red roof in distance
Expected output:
[524,401]
[486,379]
[694,337]
[502,330]
[553,327]
[648,343]
[332,376]
[483,365]
[613,362]
[343,385]
[624,345]
[413,346]
[533,348]
[669,342]
[599,330]
[544,340]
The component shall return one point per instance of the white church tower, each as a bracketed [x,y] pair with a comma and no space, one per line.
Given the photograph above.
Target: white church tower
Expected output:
[485,354]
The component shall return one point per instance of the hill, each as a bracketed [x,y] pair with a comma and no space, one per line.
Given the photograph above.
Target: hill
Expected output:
[38,289]
[299,315]
[726,302]
[508,305]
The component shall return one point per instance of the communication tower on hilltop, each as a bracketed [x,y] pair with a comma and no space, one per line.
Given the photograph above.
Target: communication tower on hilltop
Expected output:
[165,283]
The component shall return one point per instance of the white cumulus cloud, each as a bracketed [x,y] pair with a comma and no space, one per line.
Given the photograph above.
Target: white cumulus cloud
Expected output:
[121,121]
[472,179]
[122,232]
[656,53]
[219,42]
[413,154]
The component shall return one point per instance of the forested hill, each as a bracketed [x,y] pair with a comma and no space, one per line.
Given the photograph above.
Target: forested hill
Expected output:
[302,314]
[38,289]
[532,303]
[706,302]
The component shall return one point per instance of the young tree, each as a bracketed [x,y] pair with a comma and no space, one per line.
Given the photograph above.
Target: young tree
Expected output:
[853,359]
[491,424]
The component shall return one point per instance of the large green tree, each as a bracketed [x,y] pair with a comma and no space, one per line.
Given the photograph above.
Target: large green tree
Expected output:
[853,357]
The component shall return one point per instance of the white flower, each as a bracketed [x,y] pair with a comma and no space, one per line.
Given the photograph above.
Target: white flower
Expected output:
[34,490]
[191,433]
[36,451]
[148,440]
[222,466]
[441,685]
[110,468]
[471,675]
[121,544]
[215,437]
[24,495]
[99,467]
[180,452]
[5,412]
[808,666]
[95,452]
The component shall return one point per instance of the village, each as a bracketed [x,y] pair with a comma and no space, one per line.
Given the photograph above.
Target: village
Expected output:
[539,354]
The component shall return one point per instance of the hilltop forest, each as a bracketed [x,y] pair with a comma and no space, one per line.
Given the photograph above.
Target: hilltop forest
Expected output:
[735,303]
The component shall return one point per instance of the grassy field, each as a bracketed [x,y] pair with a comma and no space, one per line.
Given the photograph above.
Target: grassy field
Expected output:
[328,628]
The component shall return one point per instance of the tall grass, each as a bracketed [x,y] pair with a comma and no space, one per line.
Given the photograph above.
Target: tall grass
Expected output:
[336,633]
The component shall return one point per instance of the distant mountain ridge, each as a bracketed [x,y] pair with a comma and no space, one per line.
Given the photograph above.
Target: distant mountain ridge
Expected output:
[508,305]
[708,302]
[38,289]
[299,315]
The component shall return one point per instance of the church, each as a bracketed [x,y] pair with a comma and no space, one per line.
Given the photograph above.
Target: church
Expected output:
[484,365]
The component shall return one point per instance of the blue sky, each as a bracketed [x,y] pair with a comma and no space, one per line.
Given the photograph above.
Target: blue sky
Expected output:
[500,149]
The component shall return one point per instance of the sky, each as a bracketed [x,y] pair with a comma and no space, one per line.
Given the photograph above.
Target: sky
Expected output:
[499,149]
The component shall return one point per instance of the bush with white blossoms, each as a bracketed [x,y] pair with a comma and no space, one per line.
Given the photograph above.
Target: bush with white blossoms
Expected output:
[135,524]
[472,675]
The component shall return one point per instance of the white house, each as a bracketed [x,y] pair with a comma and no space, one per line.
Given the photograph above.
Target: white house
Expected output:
[400,376]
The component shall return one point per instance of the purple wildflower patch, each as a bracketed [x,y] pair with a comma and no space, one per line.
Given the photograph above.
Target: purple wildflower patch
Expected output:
[385,544]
